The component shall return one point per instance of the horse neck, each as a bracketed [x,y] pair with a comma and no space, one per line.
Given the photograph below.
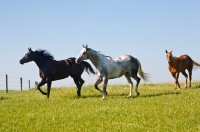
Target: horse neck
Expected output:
[40,61]
[95,58]
[174,61]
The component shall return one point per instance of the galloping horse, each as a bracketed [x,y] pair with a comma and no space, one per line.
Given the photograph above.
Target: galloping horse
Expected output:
[51,70]
[108,68]
[180,64]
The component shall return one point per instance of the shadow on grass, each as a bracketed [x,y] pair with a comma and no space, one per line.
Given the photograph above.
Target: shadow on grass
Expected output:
[91,96]
[160,94]
[194,87]
[134,96]
[197,86]
[125,95]
[3,98]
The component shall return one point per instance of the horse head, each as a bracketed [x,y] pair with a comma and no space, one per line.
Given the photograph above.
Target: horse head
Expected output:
[83,54]
[28,57]
[169,56]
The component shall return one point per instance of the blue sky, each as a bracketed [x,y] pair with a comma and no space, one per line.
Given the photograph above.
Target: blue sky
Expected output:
[143,29]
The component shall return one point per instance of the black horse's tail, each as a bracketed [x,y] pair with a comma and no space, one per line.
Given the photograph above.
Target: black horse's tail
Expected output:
[88,67]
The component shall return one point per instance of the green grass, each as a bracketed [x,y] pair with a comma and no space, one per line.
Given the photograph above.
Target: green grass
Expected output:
[158,108]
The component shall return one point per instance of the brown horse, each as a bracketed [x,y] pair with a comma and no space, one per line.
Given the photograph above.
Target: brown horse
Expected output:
[180,64]
[51,70]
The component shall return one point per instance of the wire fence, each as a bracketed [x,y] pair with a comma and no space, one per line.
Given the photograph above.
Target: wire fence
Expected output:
[15,83]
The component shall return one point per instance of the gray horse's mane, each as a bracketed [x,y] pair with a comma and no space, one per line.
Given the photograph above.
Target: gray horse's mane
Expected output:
[99,52]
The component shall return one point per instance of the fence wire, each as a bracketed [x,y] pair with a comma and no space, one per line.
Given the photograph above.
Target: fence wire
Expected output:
[15,83]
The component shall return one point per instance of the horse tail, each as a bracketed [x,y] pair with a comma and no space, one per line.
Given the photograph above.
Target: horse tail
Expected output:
[196,64]
[88,67]
[143,75]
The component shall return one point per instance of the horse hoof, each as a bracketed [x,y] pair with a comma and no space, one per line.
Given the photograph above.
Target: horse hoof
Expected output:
[129,96]
[103,99]
[138,94]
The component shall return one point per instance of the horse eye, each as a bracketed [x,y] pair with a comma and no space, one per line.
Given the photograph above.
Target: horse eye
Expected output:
[83,53]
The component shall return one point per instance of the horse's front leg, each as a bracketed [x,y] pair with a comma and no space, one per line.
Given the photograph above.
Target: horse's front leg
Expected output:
[41,84]
[105,82]
[99,80]
[49,81]
[176,80]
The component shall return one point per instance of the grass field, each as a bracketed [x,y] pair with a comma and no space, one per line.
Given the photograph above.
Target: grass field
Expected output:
[158,108]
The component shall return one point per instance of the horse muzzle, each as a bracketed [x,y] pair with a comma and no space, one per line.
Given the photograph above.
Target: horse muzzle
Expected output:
[21,62]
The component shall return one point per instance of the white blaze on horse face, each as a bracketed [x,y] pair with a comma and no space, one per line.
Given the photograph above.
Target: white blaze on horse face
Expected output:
[169,57]
[82,56]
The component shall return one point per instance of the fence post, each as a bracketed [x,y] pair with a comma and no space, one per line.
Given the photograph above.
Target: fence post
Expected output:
[36,84]
[29,84]
[21,83]
[6,83]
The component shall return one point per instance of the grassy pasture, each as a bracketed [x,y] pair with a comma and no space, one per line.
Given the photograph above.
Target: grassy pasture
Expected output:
[158,108]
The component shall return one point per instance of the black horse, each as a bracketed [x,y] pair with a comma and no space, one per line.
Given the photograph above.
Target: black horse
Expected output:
[51,70]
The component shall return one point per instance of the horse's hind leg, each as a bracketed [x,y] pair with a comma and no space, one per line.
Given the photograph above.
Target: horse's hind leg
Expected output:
[99,80]
[137,84]
[186,77]
[79,82]
[190,77]
[128,78]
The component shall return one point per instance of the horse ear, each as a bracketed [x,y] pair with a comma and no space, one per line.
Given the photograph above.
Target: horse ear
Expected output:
[29,49]
[166,51]
[170,52]
[83,46]
[86,46]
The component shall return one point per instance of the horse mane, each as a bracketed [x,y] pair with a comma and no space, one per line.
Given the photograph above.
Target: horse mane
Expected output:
[45,54]
[99,52]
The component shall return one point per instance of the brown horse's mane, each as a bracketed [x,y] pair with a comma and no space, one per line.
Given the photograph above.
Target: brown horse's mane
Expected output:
[45,54]
[175,60]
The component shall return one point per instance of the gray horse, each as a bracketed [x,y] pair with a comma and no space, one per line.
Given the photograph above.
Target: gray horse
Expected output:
[108,68]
